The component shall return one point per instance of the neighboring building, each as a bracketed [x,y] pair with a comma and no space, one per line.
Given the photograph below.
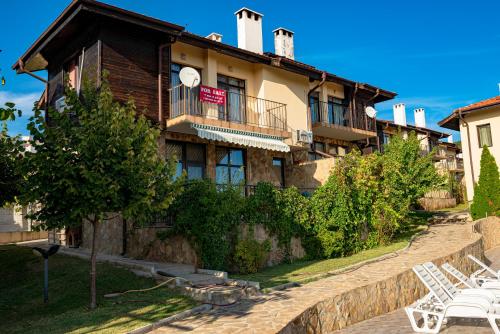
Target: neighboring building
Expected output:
[479,125]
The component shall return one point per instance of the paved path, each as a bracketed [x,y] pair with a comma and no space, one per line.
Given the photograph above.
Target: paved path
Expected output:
[140,267]
[397,321]
[270,313]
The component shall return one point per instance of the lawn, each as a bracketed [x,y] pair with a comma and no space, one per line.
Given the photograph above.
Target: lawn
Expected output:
[21,302]
[307,271]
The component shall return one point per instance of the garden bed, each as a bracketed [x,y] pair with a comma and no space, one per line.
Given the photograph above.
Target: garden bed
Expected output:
[21,301]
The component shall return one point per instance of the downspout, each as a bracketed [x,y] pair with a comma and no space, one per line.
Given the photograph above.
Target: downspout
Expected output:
[309,116]
[353,104]
[160,83]
[377,93]
[460,116]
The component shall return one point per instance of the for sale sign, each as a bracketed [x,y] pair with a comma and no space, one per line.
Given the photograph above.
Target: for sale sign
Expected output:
[212,95]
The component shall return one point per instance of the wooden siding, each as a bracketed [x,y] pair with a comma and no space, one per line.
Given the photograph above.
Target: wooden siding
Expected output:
[132,63]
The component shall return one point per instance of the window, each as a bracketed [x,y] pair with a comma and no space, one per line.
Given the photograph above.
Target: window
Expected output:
[279,170]
[336,110]
[386,138]
[230,166]
[234,110]
[189,157]
[314,106]
[484,135]
[317,147]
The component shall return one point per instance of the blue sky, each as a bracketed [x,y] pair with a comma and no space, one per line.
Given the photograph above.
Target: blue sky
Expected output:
[435,54]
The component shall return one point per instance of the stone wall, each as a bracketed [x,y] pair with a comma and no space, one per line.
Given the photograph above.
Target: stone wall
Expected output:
[490,229]
[310,174]
[11,237]
[110,239]
[143,243]
[383,296]
[277,254]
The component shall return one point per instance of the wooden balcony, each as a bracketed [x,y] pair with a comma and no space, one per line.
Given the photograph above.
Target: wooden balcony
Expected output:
[336,121]
[240,112]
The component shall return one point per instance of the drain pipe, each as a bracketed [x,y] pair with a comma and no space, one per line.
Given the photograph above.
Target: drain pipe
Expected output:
[309,116]
[160,83]
[461,117]
[377,93]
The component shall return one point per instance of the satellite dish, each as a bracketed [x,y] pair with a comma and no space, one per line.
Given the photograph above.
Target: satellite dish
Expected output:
[370,112]
[189,77]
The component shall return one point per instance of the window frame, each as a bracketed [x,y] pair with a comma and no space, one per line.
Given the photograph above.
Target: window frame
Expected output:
[228,166]
[184,161]
[478,127]
[282,170]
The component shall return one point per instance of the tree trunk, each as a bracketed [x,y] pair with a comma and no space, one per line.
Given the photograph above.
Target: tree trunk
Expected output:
[93,258]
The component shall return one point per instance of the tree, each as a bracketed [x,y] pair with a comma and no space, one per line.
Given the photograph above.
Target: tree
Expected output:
[94,160]
[11,150]
[486,201]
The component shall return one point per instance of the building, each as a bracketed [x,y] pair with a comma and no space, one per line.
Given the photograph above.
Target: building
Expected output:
[478,124]
[278,115]
[256,116]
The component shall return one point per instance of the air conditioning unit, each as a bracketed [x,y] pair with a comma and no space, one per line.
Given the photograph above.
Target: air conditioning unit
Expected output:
[304,136]
[60,104]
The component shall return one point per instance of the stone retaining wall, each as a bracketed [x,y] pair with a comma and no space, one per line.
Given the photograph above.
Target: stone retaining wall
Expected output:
[11,237]
[387,295]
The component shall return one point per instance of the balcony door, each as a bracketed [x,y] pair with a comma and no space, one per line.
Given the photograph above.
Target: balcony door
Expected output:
[234,110]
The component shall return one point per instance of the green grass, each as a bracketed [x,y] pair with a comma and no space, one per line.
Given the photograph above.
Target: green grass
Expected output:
[460,207]
[21,302]
[307,271]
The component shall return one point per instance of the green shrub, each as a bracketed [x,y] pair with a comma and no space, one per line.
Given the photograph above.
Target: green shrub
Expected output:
[486,200]
[249,255]
[208,218]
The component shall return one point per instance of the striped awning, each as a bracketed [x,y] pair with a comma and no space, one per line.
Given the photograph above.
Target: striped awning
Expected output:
[244,138]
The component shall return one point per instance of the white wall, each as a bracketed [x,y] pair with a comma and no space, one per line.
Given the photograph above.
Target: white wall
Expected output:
[491,116]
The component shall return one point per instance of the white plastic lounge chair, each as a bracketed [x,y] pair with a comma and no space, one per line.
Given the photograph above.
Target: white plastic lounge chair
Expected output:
[444,306]
[493,296]
[485,268]
[470,282]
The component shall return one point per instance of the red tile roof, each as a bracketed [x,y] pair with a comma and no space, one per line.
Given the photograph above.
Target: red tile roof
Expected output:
[481,104]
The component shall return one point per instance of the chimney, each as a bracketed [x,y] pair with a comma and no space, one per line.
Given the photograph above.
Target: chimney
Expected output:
[283,42]
[450,139]
[215,37]
[399,114]
[249,25]
[419,117]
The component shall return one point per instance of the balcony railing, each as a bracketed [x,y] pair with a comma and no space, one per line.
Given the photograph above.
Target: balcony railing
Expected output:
[337,114]
[238,108]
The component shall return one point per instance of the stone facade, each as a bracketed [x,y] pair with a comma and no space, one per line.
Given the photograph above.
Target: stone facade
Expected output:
[277,254]
[310,174]
[110,240]
[143,243]
[12,219]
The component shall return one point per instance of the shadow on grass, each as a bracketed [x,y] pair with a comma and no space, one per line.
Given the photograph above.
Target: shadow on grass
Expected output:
[22,309]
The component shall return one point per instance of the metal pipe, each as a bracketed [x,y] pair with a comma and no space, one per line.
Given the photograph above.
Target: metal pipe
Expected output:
[160,83]
[309,116]
[461,117]
[46,280]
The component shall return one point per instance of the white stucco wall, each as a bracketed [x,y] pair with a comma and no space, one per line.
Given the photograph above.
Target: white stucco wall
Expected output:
[492,117]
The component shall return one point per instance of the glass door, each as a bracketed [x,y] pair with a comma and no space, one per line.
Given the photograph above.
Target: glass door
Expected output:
[234,110]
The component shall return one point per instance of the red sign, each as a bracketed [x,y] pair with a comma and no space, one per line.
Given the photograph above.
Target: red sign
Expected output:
[212,95]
